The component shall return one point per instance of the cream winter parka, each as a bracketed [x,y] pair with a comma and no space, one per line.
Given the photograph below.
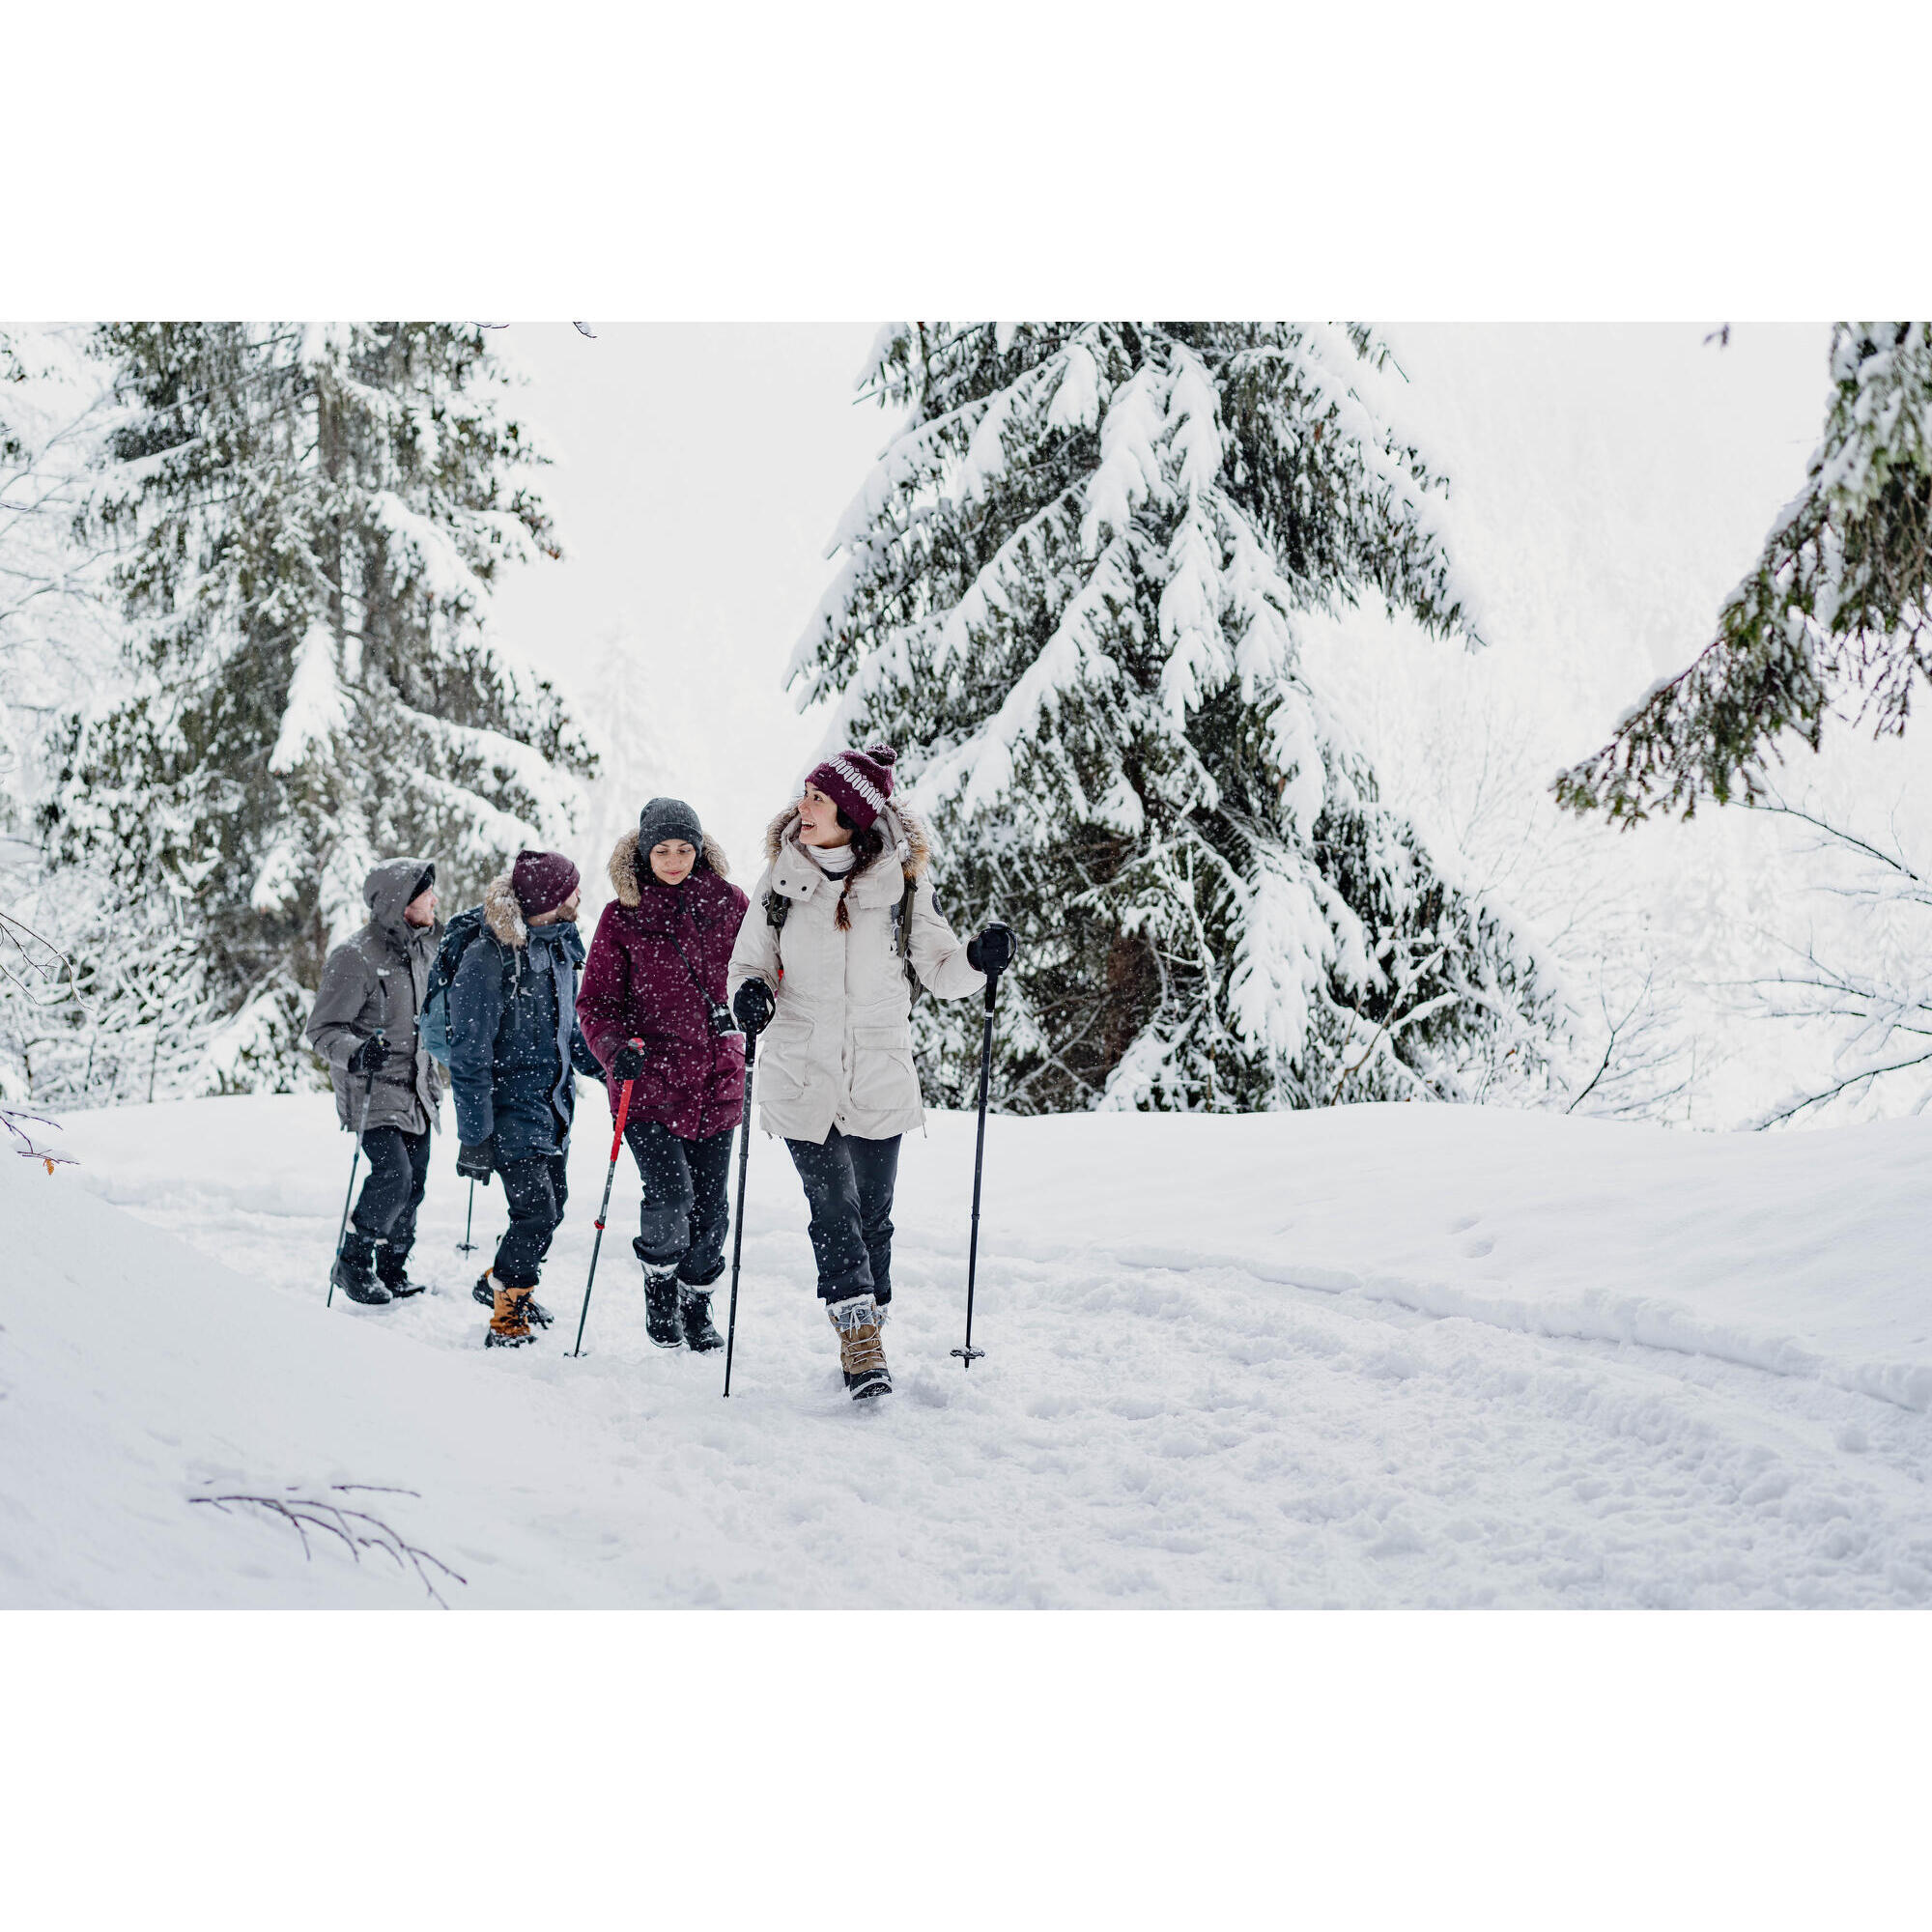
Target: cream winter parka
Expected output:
[838,1050]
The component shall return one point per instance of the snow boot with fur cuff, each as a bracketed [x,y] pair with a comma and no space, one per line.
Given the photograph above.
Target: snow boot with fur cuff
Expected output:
[484,1293]
[509,1325]
[700,1336]
[858,1320]
[664,1319]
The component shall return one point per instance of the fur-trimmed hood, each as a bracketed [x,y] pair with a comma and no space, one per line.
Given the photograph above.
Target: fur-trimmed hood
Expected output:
[905,834]
[502,913]
[624,857]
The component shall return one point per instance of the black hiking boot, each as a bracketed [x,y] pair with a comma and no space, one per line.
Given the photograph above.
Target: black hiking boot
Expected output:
[354,1274]
[700,1336]
[663,1320]
[861,1355]
[397,1281]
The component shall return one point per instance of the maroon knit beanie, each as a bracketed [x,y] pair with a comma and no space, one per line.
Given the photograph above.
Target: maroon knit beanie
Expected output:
[542,881]
[858,782]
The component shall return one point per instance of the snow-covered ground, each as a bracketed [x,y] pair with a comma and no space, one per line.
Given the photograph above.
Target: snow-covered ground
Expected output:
[1367,1357]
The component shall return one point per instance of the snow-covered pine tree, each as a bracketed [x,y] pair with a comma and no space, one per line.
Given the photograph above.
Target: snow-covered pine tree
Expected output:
[56,637]
[1840,598]
[1069,597]
[310,517]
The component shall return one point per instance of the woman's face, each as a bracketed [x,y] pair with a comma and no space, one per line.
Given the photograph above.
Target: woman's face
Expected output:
[818,820]
[673,859]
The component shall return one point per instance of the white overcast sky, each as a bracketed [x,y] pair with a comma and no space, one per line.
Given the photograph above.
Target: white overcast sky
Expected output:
[697,474]
[1610,483]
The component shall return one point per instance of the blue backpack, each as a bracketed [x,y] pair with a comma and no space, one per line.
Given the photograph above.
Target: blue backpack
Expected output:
[433,1024]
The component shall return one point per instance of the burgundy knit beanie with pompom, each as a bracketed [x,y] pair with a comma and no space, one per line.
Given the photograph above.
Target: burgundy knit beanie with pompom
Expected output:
[858,782]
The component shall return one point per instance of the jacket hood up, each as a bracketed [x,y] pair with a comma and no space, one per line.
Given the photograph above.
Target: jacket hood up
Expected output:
[624,856]
[389,889]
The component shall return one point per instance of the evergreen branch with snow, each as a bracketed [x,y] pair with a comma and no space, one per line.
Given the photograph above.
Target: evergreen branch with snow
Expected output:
[1839,603]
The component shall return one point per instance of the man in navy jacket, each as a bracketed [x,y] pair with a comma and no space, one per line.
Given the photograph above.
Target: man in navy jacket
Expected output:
[515,1049]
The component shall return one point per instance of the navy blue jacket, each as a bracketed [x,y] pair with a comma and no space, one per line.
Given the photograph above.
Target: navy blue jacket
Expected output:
[514,1039]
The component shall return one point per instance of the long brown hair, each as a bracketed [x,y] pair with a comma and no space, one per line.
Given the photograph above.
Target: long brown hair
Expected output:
[868,842]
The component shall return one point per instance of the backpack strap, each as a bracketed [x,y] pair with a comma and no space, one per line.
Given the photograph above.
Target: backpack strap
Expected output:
[902,933]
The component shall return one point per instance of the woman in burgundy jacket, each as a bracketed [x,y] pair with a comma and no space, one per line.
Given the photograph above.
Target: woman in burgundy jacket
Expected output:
[656,975]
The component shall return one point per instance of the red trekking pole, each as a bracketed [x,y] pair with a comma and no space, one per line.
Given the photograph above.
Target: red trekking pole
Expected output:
[597,1246]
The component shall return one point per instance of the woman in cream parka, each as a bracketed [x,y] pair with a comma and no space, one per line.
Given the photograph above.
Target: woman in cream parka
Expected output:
[839,921]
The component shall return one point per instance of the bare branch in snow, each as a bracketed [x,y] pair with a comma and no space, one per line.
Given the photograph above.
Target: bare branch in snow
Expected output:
[356,1529]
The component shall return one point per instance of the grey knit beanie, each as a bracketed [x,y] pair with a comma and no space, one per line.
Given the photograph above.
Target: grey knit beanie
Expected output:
[668,818]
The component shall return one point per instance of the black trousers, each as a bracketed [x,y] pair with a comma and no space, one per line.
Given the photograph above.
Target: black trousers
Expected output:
[685,1209]
[385,1220]
[848,1186]
[536,1190]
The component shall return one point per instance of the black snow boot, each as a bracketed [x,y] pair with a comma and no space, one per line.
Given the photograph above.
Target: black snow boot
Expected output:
[663,1320]
[354,1274]
[392,1272]
[485,1296]
[858,1320]
[700,1336]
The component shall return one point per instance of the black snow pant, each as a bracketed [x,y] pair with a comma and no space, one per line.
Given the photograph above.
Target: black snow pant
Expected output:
[385,1220]
[536,1190]
[848,1186]
[685,1209]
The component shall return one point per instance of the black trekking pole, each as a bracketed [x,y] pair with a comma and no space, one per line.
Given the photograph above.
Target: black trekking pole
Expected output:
[597,1246]
[466,1246]
[969,1354]
[738,1233]
[342,1233]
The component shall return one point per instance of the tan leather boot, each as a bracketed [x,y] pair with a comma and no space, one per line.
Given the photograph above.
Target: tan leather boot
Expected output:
[861,1354]
[510,1323]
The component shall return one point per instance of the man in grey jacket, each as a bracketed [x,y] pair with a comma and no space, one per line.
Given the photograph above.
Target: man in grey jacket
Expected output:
[365,1025]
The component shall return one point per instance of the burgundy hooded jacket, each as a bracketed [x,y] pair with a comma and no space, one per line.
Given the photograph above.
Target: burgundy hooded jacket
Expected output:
[655,949]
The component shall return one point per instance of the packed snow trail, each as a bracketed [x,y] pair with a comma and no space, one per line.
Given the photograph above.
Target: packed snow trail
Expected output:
[1371,1357]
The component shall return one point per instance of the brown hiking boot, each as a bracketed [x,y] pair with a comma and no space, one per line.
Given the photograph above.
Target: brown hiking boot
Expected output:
[510,1324]
[861,1354]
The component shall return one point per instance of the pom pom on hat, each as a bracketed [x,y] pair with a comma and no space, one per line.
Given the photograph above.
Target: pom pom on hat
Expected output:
[858,782]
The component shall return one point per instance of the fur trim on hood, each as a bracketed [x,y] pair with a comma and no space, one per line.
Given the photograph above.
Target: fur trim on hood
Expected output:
[502,913]
[902,825]
[624,857]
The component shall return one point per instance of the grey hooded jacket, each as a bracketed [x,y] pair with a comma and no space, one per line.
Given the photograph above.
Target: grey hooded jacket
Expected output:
[377,980]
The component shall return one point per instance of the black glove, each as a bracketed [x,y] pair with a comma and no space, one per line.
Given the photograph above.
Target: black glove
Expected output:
[369,1056]
[993,951]
[477,1162]
[628,1062]
[753,1006]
